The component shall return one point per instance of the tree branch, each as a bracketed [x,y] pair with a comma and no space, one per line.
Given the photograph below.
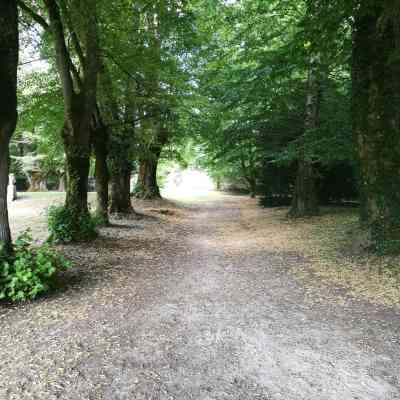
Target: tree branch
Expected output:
[34,15]
[74,36]
[138,81]
[64,61]
[133,121]
[91,61]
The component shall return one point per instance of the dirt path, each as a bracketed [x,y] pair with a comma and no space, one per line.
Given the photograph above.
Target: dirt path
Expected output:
[195,305]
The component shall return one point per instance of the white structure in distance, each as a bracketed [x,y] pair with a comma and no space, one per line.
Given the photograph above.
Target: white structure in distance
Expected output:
[12,188]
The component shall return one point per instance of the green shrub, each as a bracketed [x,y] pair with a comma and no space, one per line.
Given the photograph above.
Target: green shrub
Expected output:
[66,226]
[30,271]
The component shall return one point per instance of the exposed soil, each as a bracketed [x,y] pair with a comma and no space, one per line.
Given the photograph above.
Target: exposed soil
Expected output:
[203,301]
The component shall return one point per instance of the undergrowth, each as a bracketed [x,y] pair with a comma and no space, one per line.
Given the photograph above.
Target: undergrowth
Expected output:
[30,270]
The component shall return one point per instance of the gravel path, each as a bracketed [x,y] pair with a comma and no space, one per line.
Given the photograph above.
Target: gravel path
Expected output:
[171,307]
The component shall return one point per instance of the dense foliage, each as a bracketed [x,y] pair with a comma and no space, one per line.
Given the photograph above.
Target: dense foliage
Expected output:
[255,87]
[64,228]
[30,271]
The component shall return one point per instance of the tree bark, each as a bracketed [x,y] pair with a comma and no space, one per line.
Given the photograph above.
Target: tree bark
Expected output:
[100,144]
[77,182]
[120,201]
[120,173]
[147,186]
[362,51]
[305,198]
[9,47]
[376,117]
[62,183]
[5,233]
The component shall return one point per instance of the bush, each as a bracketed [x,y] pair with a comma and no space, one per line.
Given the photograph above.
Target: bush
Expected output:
[30,271]
[66,226]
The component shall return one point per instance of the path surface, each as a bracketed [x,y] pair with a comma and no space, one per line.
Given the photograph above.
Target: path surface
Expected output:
[188,307]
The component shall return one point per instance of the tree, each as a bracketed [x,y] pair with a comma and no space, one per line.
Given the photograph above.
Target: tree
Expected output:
[118,109]
[261,76]
[9,48]
[100,136]
[376,107]
[169,40]
[79,99]
[305,197]
[147,186]
[76,21]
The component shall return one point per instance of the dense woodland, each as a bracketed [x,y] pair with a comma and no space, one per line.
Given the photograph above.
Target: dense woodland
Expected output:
[297,101]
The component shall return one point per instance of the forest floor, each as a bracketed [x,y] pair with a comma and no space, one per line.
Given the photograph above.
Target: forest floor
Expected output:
[208,298]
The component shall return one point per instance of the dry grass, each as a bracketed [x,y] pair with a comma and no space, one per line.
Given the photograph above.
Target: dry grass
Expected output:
[335,261]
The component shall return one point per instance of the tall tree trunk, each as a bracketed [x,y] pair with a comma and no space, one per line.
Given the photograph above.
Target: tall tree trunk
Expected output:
[305,201]
[253,188]
[8,105]
[147,186]
[120,173]
[305,198]
[100,144]
[120,201]
[78,163]
[362,52]
[76,140]
[79,94]
[5,234]
[376,116]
